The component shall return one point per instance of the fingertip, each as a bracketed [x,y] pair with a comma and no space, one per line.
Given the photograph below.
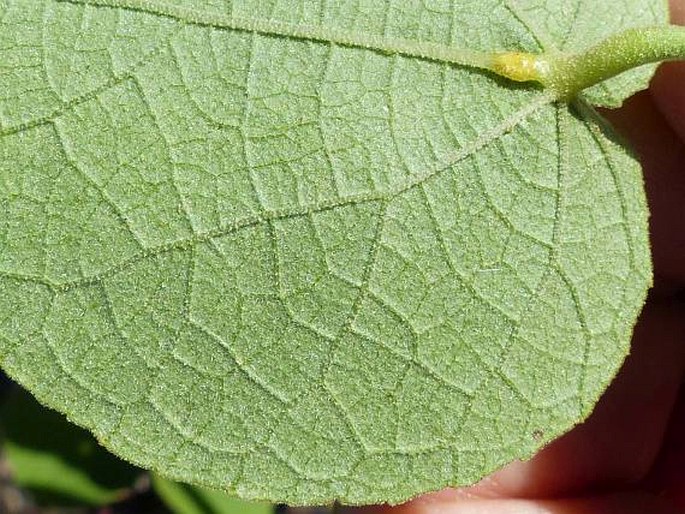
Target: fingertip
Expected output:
[667,86]
[677,12]
[622,503]
[667,478]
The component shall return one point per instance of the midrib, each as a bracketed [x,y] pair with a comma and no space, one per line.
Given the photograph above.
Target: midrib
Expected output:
[331,35]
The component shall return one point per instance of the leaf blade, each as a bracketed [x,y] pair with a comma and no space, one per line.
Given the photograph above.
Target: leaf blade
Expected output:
[389,230]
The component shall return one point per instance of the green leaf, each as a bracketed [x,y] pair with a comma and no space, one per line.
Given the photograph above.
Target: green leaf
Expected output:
[60,463]
[285,249]
[186,499]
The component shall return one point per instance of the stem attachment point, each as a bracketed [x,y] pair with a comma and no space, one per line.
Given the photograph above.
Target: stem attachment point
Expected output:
[569,74]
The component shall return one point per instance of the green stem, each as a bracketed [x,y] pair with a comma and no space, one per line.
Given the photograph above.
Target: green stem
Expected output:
[568,74]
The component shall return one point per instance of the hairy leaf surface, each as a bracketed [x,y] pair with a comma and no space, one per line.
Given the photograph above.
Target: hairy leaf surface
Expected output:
[284,249]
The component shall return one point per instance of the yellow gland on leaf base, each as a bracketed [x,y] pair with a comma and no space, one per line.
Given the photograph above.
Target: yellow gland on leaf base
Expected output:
[520,66]
[566,75]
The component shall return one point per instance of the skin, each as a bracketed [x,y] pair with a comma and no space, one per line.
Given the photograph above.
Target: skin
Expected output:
[629,456]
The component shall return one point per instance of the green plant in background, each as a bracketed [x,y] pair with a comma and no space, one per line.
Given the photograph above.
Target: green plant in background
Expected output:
[305,253]
[186,499]
[59,462]
[62,465]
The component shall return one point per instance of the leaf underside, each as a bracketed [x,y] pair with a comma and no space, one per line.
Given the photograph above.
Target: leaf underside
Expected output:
[303,270]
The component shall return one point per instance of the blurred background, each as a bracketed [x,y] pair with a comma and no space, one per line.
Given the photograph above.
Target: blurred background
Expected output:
[49,466]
